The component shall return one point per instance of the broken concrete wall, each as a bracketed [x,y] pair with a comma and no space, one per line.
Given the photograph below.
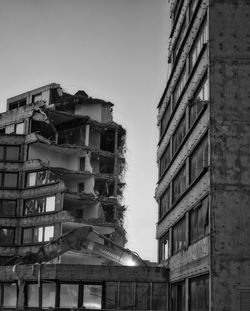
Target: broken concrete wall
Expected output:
[230,154]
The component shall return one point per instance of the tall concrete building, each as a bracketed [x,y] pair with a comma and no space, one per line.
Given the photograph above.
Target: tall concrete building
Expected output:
[204,157]
[61,167]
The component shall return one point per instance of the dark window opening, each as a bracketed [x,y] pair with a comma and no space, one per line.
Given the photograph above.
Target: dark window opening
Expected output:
[179,134]
[72,136]
[104,188]
[106,166]
[108,141]
[179,183]
[81,187]
[7,236]
[179,236]
[109,214]
[17,104]
[164,253]
[36,97]
[199,160]
[178,297]
[199,293]
[199,221]
[82,163]
[165,119]
[8,295]
[165,160]
[8,207]
[43,129]
[165,203]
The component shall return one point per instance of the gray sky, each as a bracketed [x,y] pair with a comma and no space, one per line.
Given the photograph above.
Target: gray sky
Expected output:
[115,50]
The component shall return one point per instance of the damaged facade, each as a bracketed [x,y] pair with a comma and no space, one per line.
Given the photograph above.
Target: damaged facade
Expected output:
[62,167]
[203,155]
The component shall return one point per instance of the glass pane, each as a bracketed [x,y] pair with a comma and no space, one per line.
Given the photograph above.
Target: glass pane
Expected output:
[40,205]
[92,296]
[20,128]
[31,179]
[10,295]
[27,235]
[35,235]
[12,153]
[32,295]
[40,234]
[142,296]
[41,178]
[111,296]
[8,207]
[29,207]
[10,180]
[48,233]
[1,152]
[200,223]
[48,295]
[7,236]
[68,295]
[10,129]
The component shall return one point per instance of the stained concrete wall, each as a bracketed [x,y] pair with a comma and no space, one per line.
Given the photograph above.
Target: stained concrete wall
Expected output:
[229,40]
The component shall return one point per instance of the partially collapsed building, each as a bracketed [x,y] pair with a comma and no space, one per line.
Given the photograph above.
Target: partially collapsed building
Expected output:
[61,167]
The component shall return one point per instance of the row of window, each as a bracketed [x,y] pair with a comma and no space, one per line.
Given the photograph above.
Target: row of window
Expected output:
[194,54]
[109,295]
[197,163]
[198,228]
[198,292]
[23,102]
[15,128]
[31,235]
[31,207]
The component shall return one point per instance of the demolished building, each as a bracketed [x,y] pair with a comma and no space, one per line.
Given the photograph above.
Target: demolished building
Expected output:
[61,167]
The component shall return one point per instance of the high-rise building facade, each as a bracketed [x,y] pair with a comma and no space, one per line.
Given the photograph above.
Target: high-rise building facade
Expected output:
[61,167]
[203,154]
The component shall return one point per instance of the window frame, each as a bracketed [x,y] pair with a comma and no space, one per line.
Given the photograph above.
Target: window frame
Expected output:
[2,208]
[202,145]
[162,209]
[205,289]
[36,203]
[13,229]
[33,228]
[165,160]
[178,174]
[180,224]
[47,172]
[4,159]
[162,247]
[2,289]
[2,180]
[182,124]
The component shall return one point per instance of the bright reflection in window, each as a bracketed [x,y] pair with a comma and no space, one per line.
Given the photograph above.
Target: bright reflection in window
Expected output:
[50,204]
[48,233]
[10,295]
[32,295]
[92,296]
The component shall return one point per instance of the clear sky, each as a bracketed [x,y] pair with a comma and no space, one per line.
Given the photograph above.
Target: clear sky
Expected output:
[115,50]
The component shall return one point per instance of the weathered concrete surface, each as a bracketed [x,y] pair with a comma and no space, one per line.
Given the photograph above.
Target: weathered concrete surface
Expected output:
[229,28]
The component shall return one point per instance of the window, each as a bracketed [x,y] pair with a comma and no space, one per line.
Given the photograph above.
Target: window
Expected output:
[142,299]
[159,296]
[17,128]
[82,163]
[38,234]
[92,296]
[199,159]
[176,10]
[179,236]
[164,247]
[9,153]
[178,297]
[32,291]
[165,202]
[8,207]
[39,205]
[37,97]
[165,118]
[199,293]
[164,160]
[68,295]
[81,187]
[17,104]
[199,42]
[197,103]
[7,236]
[179,134]
[179,86]
[8,180]
[179,183]
[199,221]
[9,295]
[48,295]
[40,178]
